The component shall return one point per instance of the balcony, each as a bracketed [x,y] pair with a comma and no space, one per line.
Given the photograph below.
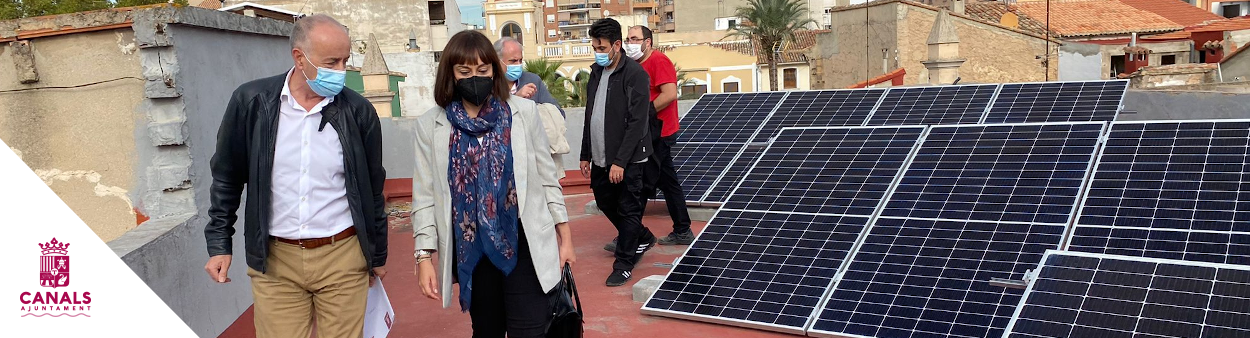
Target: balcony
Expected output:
[668,26]
[667,7]
[578,8]
[568,51]
[645,4]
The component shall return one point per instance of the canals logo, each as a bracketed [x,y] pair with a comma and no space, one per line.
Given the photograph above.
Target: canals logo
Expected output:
[54,273]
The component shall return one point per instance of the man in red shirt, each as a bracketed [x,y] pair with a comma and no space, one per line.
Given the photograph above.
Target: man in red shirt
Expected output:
[664,98]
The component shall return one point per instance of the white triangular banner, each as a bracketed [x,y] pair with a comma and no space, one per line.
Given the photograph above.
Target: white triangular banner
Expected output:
[75,287]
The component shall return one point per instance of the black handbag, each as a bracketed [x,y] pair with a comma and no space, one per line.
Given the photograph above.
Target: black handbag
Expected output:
[566,309]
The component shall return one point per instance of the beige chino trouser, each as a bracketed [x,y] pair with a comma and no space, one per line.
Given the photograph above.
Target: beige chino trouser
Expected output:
[332,280]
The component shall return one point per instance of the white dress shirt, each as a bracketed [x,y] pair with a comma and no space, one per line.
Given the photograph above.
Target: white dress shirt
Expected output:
[309,184]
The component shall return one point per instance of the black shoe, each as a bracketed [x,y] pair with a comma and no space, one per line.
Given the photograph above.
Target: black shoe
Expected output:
[678,239]
[611,247]
[643,248]
[619,277]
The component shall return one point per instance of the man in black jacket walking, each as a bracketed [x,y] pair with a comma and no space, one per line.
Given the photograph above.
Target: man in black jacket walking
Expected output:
[309,155]
[616,144]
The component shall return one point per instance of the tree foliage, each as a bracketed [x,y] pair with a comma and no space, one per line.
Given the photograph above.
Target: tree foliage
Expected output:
[16,9]
[770,24]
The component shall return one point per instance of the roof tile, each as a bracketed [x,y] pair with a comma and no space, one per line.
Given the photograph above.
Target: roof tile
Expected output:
[1076,18]
[1179,12]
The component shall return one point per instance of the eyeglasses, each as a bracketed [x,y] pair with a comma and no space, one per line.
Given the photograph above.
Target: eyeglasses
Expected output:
[632,39]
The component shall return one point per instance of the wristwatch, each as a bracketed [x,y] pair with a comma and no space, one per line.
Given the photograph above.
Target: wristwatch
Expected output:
[424,253]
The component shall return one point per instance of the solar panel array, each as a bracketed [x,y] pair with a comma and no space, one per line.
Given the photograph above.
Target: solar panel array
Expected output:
[1096,295]
[766,262]
[957,219]
[910,231]
[751,119]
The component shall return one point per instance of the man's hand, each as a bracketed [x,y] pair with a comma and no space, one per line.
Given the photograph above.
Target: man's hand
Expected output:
[378,273]
[527,91]
[616,174]
[428,280]
[217,267]
[586,169]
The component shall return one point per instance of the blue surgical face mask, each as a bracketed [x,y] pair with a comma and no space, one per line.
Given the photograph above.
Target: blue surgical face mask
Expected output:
[514,72]
[329,82]
[603,59]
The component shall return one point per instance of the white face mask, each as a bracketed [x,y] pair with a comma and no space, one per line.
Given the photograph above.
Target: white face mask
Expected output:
[633,50]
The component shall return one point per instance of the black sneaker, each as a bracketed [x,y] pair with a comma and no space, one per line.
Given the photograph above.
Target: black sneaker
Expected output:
[643,248]
[611,247]
[619,277]
[678,239]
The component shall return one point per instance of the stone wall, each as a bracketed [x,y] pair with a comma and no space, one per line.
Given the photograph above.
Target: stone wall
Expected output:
[994,54]
[843,56]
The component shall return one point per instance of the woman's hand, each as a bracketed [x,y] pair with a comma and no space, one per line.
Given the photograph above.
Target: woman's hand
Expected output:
[565,238]
[428,279]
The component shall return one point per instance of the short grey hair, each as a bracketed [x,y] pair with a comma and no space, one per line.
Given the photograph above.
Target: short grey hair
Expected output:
[299,34]
[499,45]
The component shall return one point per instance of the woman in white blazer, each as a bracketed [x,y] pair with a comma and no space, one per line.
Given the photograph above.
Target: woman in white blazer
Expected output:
[486,197]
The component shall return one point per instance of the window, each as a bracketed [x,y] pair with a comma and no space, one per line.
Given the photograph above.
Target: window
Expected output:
[551,3]
[551,18]
[1168,60]
[512,29]
[551,33]
[438,15]
[729,87]
[695,90]
[1117,65]
[1231,11]
[790,78]
[733,23]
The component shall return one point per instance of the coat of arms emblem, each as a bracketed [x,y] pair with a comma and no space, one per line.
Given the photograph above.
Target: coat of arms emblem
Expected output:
[54,264]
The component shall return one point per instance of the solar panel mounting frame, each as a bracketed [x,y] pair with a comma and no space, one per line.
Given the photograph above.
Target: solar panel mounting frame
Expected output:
[702,200]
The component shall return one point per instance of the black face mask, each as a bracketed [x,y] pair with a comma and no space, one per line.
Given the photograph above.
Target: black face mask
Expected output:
[475,89]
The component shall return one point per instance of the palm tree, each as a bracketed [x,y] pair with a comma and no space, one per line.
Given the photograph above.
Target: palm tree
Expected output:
[577,96]
[771,24]
[547,70]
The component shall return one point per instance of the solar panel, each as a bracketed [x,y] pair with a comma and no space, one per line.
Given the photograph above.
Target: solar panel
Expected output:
[933,105]
[1107,296]
[698,165]
[757,269]
[727,117]
[733,174]
[1019,173]
[821,108]
[930,278]
[1174,190]
[826,170]
[975,203]
[1057,102]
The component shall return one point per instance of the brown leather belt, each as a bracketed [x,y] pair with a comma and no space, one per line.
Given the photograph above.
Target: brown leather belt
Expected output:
[313,243]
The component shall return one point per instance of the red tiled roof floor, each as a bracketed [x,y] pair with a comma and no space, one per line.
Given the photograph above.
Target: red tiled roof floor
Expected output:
[610,312]
[1076,18]
[1177,11]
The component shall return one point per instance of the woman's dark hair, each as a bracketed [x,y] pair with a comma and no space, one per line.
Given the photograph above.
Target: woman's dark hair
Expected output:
[467,47]
[606,28]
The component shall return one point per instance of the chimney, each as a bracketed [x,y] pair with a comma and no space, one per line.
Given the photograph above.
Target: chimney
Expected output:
[958,6]
[944,61]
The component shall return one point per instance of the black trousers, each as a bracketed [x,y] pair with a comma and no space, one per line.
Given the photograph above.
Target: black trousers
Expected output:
[623,204]
[668,183]
[513,305]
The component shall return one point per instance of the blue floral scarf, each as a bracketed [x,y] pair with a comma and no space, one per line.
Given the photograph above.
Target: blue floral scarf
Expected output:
[483,191]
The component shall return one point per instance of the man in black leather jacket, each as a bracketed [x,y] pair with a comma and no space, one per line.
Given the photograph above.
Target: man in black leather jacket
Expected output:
[309,155]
